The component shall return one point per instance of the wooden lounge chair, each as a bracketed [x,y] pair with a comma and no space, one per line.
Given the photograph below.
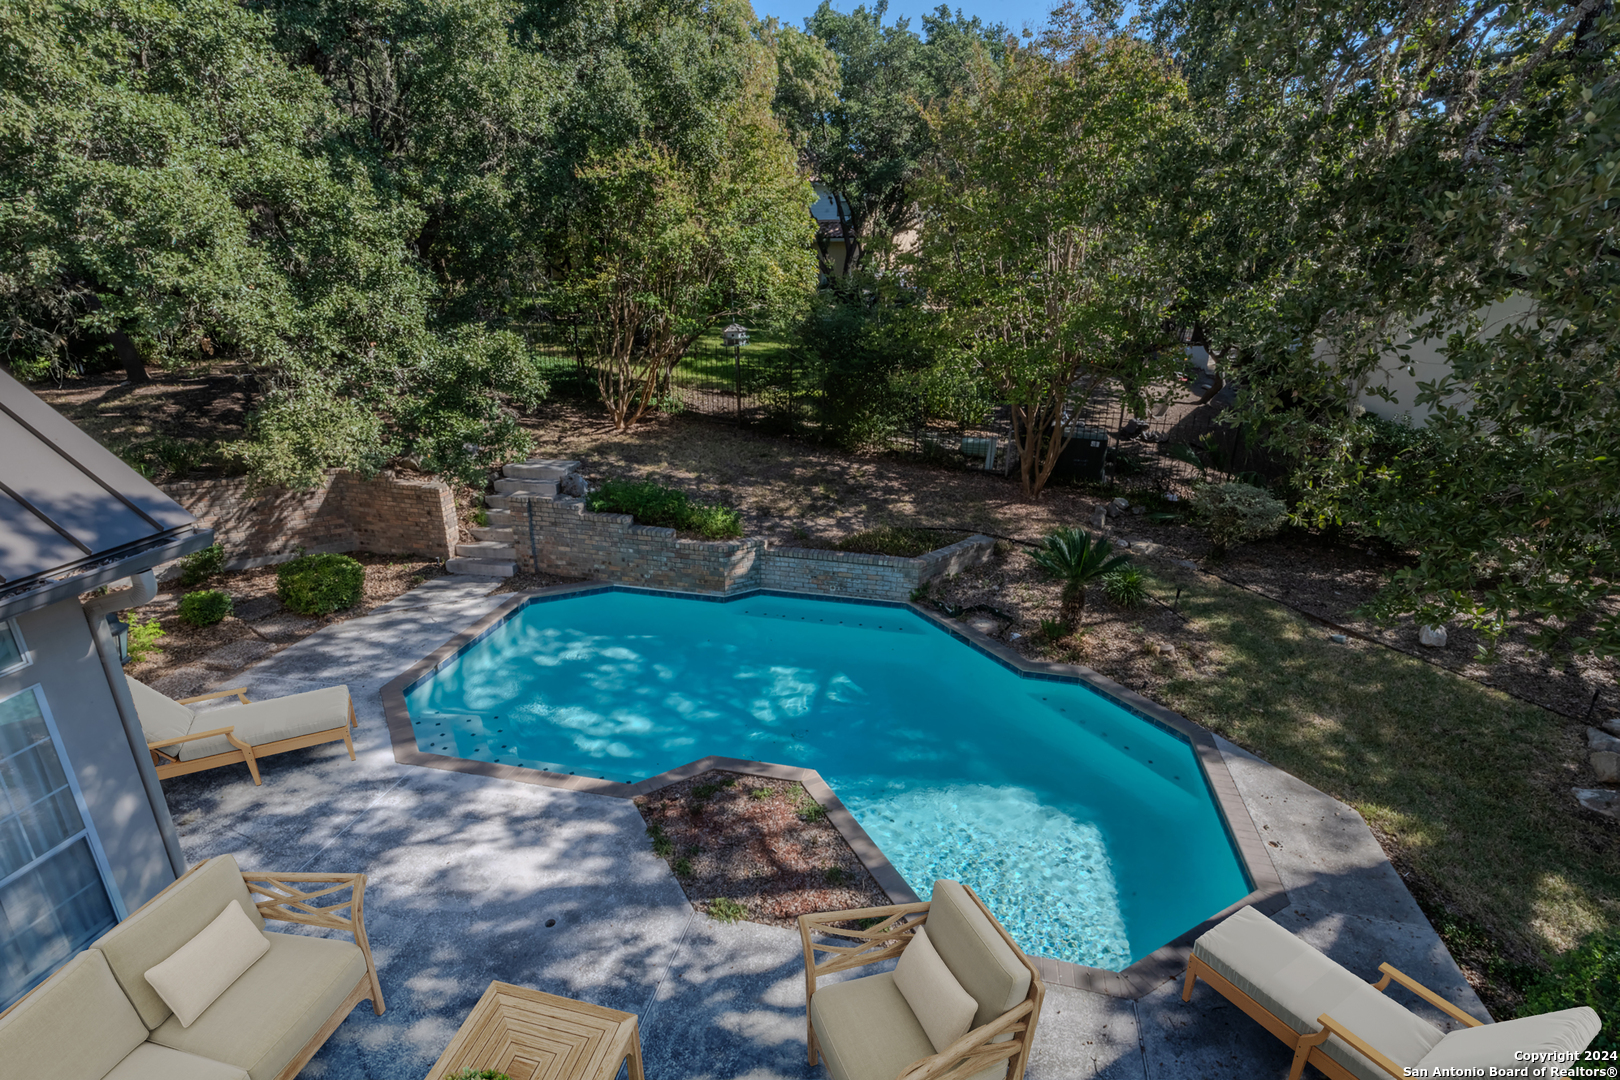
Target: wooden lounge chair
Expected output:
[185,741]
[869,1029]
[1347,1028]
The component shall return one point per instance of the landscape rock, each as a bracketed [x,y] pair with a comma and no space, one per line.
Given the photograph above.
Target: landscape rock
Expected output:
[1118,506]
[1606,764]
[1432,636]
[1138,509]
[1338,639]
[990,627]
[1186,564]
[1100,517]
[1599,800]
[1601,740]
[1169,652]
[1612,726]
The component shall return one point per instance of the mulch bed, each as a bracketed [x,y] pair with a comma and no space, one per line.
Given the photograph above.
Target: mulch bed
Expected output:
[762,847]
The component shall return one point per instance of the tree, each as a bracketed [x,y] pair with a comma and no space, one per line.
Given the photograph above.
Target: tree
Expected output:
[1074,558]
[1036,247]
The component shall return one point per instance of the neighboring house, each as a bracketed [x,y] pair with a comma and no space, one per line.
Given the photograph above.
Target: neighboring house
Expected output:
[829,227]
[85,836]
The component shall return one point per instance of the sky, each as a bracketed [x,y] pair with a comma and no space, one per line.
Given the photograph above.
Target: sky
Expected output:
[1013,13]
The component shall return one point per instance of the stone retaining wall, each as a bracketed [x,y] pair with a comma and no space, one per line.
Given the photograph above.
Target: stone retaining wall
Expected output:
[344,513]
[560,536]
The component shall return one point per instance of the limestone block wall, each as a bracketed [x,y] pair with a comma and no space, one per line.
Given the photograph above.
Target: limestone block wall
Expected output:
[560,536]
[343,513]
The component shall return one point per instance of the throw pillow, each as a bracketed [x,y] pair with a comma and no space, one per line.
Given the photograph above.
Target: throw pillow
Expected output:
[203,968]
[941,1006]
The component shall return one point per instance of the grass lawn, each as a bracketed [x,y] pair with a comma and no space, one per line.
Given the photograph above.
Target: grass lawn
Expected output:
[1467,787]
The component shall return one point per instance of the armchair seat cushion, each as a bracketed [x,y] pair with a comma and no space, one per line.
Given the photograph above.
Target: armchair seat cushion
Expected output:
[1297,984]
[278,1005]
[261,722]
[149,1061]
[867,1031]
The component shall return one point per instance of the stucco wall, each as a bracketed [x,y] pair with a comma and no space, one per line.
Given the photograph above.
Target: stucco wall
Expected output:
[559,536]
[66,667]
[344,513]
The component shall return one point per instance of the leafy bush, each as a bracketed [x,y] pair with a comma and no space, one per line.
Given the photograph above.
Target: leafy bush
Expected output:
[651,503]
[1235,513]
[205,607]
[320,584]
[199,566]
[1125,587]
[899,540]
[1588,974]
[144,634]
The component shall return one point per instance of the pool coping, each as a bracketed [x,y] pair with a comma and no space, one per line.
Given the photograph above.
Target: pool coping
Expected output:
[1140,978]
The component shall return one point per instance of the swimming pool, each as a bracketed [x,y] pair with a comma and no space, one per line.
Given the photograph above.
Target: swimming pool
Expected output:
[1089,830]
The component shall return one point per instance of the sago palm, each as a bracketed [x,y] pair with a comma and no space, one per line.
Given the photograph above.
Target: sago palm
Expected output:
[1074,558]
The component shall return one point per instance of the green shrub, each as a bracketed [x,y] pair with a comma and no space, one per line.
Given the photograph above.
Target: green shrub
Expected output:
[899,540]
[1125,587]
[205,607]
[320,584]
[651,503]
[144,634]
[1588,974]
[199,566]
[1235,513]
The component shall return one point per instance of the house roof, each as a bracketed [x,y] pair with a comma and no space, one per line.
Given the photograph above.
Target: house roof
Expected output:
[72,515]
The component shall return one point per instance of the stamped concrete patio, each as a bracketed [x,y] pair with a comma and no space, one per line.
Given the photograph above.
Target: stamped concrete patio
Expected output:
[474,879]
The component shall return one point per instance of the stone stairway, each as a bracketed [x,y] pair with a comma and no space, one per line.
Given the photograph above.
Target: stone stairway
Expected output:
[493,554]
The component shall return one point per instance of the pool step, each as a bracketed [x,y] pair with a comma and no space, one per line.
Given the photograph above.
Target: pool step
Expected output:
[482,567]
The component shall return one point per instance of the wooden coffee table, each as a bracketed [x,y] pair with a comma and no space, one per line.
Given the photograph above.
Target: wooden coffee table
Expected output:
[529,1035]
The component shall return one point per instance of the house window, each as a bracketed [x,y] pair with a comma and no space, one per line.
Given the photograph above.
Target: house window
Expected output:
[53,896]
[12,653]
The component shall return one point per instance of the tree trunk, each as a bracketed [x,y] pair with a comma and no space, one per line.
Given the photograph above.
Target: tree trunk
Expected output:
[123,347]
[1074,607]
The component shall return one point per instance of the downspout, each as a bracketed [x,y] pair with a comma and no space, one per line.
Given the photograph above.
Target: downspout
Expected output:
[96,612]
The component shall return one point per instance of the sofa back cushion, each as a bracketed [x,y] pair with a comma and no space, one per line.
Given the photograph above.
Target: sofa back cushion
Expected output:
[161,717]
[974,950]
[76,1025]
[158,930]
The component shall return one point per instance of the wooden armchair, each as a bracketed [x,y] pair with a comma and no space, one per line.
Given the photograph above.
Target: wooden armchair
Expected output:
[866,1030]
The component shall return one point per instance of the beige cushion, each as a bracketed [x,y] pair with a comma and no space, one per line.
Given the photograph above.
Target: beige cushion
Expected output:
[977,954]
[150,1061]
[867,1032]
[270,721]
[1297,984]
[77,1023]
[161,717]
[174,917]
[1565,1033]
[202,968]
[937,1000]
[277,1006]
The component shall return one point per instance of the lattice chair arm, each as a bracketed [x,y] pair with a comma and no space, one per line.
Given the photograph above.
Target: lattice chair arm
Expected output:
[1425,993]
[288,899]
[237,692]
[881,942]
[974,1051]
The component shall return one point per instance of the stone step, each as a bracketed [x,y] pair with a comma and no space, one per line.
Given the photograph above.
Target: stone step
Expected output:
[533,487]
[500,533]
[496,502]
[483,567]
[541,469]
[498,519]
[486,549]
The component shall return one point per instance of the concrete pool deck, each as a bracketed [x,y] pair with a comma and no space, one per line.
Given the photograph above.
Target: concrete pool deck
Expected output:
[476,878]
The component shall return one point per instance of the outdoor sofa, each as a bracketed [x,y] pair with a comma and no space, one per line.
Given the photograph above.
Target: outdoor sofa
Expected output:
[182,740]
[100,1018]
[963,999]
[1348,1029]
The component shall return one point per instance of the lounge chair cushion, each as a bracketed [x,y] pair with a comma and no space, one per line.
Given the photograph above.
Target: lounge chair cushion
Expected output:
[161,717]
[941,1006]
[1566,1032]
[270,721]
[867,1031]
[149,1061]
[1297,984]
[202,968]
[156,931]
[976,953]
[77,1023]
[277,1006]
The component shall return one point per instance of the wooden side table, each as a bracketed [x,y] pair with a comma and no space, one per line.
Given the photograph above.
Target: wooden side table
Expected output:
[529,1035]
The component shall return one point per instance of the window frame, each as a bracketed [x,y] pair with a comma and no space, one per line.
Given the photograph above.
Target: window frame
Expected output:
[26,657]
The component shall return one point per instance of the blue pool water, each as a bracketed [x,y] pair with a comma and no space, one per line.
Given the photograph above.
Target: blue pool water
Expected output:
[1089,831]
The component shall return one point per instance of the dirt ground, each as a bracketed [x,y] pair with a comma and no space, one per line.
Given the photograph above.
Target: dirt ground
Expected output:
[763,845]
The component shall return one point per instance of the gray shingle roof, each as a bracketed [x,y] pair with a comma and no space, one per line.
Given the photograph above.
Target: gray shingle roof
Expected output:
[72,515]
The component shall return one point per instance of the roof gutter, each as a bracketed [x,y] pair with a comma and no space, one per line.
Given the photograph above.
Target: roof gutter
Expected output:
[18,598]
[95,613]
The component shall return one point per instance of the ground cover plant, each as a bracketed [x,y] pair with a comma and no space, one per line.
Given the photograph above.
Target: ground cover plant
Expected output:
[899,540]
[652,503]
